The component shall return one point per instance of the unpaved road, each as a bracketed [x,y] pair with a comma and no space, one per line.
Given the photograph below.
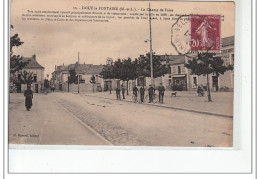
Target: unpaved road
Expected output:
[62,118]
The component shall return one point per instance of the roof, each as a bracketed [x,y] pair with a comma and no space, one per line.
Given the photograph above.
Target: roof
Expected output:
[83,68]
[90,69]
[65,68]
[173,59]
[227,41]
[32,62]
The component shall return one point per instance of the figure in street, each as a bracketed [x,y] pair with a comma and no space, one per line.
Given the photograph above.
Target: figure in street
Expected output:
[118,93]
[28,97]
[135,91]
[123,90]
[142,91]
[200,91]
[52,87]
[110,88]
[161,90]
[150,92]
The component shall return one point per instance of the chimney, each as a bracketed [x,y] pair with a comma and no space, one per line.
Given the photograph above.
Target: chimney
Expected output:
[63,64]
[55,67]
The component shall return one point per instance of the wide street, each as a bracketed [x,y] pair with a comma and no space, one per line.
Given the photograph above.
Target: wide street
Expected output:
[80,119]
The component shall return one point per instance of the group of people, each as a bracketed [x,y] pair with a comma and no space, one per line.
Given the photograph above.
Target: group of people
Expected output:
[141,91]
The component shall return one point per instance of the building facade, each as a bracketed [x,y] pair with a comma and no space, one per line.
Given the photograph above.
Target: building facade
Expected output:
[180,78]
[34,68]
[85,72]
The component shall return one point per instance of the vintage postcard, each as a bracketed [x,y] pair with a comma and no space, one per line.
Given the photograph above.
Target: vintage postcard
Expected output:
[121,73]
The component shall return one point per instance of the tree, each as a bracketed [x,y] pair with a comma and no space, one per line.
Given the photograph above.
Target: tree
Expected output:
[26,77]
[46,83]
[129,72]
[72,77]
[144,68]
[16,61]
[125,70]
[93,81]
[205,64]
[107,73]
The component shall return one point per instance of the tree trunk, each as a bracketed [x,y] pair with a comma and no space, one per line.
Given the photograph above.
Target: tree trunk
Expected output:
[127,88]
[208,91]
[68,87]
[93,88]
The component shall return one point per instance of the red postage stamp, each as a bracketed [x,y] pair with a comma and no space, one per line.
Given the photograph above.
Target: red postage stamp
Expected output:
[205,33]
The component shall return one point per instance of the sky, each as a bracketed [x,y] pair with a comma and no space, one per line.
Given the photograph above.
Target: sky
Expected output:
[57,43]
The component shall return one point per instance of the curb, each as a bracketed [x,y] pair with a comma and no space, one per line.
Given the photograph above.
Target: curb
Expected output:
[170,107]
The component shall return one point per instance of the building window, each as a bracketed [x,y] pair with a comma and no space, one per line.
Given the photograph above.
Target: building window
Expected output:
[34,78]
[179,69]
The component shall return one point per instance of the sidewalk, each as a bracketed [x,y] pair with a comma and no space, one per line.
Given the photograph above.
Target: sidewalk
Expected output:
[222,104]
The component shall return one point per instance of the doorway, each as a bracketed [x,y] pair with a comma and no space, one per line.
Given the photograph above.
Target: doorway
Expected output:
[215,82]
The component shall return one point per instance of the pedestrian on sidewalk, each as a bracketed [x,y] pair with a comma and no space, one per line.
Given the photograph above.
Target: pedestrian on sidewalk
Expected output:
[151,92]
[28,97]
[200,91]
[118,93]
[123,90]
[52,87]
[135,91]
[142,91]
[110,88]
[161,90]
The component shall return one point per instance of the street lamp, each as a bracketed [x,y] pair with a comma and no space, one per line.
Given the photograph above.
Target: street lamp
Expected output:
[151,60]
[151,49]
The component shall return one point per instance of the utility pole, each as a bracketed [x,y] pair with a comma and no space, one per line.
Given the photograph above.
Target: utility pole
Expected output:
[68,83]
[78,71]
[151,49]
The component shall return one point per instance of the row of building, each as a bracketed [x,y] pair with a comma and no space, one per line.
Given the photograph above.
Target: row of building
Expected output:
[178,76]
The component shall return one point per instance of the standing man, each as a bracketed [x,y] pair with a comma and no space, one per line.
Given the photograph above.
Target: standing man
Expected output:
[123,90]
[135,91]
[118,93]
[151,92]
[142,91]
[52,87]
[161,90]
[28,97]
[110,88]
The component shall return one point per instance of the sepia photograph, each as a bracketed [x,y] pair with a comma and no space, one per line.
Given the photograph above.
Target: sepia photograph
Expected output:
[121,73]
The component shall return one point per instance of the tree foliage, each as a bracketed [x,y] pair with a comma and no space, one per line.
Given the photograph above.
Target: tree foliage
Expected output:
[26,77]
[72,76]
[144,66]
[46,83]
[16,61]
[107,72]
[205,64]
[126,69]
